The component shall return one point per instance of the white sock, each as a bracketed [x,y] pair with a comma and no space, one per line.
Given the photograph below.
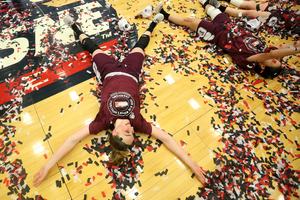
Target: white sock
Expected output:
[213,12]
[237,3]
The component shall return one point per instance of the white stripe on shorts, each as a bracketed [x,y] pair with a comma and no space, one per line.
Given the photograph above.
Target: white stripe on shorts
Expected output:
[120,73]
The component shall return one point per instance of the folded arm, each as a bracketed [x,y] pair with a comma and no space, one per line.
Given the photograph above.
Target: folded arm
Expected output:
[173,146]
[67,146]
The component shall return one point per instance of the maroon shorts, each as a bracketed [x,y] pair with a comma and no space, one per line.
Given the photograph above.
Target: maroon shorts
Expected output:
[208,31]
[104,64]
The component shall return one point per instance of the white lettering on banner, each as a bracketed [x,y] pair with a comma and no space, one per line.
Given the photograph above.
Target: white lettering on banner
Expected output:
[19,45]
[65,34]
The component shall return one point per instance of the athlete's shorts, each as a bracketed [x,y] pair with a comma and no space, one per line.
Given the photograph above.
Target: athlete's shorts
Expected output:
[105,66]
[207,30]
[271,8]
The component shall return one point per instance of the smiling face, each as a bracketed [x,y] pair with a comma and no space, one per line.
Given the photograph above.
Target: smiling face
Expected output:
[124,130]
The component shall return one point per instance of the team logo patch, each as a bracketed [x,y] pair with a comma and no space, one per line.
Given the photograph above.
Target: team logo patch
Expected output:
[253,44]
[120,104]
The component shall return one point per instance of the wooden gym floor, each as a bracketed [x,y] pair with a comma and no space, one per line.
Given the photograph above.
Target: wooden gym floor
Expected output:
[183,98]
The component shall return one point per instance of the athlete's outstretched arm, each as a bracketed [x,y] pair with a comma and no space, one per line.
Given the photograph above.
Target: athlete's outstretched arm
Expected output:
[289,45]
[67,146]
[278,53]
[173,146]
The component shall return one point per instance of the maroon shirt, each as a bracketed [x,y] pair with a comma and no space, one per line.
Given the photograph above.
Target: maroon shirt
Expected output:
[120,100]
[238,47]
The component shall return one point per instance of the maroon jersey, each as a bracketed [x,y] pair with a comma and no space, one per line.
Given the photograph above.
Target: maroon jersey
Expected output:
[238,47]
[283,21]
[119,96]
[241,47]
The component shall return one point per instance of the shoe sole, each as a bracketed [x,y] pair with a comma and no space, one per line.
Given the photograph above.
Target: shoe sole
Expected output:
[158,7]
[158,18]
[68,20]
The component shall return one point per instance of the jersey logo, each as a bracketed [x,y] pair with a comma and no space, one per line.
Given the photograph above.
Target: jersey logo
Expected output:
[253,44]
[121,104]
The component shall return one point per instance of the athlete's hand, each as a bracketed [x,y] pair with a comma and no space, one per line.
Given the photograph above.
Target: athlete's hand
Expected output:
[40,176]
[199,172]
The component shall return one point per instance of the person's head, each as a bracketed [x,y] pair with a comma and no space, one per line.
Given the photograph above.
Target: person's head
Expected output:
[120,139]
[269,68]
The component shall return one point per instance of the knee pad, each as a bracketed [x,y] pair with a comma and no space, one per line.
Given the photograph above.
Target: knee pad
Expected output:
[143,42]
[212,12]
[89,45]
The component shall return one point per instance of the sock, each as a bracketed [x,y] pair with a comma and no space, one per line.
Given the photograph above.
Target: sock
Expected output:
[166,15]
[212,12]
[222,8]
[76,30]
[151,26]
[206,2]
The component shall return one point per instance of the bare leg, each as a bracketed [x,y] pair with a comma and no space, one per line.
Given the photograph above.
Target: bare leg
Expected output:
[242,13]
[251,5]
[192,23]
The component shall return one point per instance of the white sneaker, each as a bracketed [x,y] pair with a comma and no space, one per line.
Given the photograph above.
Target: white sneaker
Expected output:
[68,20]
[124,25]
[158,18]
[147,12]
[158,7]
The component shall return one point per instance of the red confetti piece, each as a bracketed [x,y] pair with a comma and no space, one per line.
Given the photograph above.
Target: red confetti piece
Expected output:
[103,194]
[257,82]
[246,104]
[45,156]
[87,184]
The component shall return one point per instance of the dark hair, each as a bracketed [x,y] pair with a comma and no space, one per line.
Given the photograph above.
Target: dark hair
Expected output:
[269,72]
[119,149]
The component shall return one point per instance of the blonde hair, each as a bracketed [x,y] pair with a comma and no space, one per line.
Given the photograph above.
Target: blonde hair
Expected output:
[119,149]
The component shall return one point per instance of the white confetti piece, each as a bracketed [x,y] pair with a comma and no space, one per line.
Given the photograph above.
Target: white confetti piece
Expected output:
[156,188]
[211,153]
[140,169]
